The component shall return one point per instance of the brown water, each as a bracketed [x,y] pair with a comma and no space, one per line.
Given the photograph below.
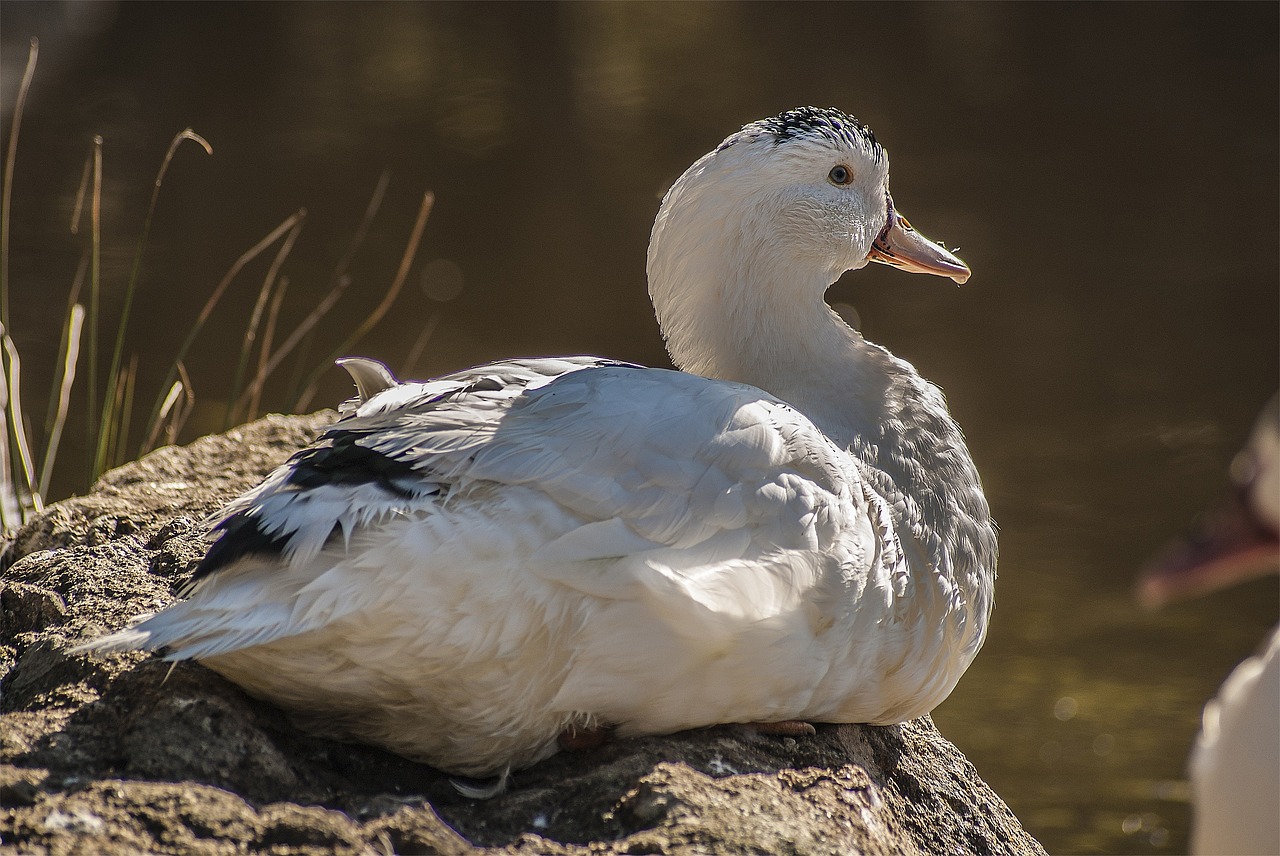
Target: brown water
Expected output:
[1109,172]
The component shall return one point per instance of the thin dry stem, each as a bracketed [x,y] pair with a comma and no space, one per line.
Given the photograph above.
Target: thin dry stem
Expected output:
[95,270]
[362,230]
[71,353]
[15,414]
[125,410]
[10,160]
[298,334]
[188,404]
[177,406]
[420,344]
[175,392]
[268,336]
[10,501]
[339,281]
[109,411]
[110,435]
[78,210]
[406,261]
[246,257]
[251,331]
[11,404]
[77,283]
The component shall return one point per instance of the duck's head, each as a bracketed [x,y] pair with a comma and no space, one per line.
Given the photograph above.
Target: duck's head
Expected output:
[775,214]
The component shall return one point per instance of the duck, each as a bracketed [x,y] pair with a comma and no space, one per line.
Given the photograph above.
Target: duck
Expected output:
[1235,763]
[786,529]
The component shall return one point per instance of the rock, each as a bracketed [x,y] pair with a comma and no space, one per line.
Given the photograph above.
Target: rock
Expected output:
[125,753]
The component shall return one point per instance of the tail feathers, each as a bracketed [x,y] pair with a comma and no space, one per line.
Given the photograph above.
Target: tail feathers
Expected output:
[191,630]
[253,603]
[132,638]
[187,631]
[371,377]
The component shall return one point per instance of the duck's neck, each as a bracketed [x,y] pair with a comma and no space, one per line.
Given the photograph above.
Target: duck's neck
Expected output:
[760,323]
[752,321]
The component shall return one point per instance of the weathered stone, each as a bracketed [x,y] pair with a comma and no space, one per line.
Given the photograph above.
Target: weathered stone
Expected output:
[125,753]
[24,607]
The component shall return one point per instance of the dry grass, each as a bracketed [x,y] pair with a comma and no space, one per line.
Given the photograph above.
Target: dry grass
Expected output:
[110,400]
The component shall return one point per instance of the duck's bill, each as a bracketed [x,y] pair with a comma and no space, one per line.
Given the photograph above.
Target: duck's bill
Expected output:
[1238,541]
[1231,547]
[906,249]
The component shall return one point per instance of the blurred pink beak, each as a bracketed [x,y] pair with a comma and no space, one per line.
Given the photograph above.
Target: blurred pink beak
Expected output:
[1240,540]
[1232,547]
[906,249]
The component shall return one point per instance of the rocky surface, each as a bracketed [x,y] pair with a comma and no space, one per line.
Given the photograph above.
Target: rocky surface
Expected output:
[108,754]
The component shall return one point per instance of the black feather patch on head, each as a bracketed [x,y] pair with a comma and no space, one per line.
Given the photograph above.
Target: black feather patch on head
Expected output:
[825,122]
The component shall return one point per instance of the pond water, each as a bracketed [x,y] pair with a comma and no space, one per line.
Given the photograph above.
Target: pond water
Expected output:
[1108,171]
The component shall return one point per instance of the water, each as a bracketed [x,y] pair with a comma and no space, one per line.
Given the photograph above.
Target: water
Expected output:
[1109,172]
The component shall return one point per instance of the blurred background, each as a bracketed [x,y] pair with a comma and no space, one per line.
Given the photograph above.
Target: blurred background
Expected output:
[1110,173]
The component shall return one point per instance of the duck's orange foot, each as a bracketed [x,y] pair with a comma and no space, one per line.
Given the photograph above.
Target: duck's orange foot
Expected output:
[785,728]
[574,737]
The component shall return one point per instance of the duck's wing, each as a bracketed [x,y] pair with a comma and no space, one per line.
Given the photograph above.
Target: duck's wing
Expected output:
[699,495]
[647,457]
[376,462]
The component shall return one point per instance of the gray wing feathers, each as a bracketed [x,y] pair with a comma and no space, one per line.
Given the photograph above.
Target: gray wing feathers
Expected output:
[646,457]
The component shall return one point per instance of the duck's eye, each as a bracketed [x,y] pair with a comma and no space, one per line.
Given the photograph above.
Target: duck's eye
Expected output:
[840,174]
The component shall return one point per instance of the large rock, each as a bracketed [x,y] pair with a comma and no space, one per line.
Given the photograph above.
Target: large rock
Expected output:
[126,754]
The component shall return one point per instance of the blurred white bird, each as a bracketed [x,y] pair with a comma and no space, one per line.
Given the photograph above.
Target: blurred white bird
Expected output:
[1235,765]
[789,529]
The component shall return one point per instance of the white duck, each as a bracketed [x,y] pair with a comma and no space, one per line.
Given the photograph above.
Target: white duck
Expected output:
[790,528]
[1235,765]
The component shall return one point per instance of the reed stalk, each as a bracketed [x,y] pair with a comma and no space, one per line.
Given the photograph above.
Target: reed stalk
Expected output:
[70,355]
[10,161]
[95,271]
[69,345]
[406,261]
[11,505]
[18,425]
[10,500]
[125,409]
[109,425]
[299,333]
[179,417]
[339,282]
[245,257]
[255,319]
[268,337]
[73,299]
[420,344]
[175,392]
[77,210]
